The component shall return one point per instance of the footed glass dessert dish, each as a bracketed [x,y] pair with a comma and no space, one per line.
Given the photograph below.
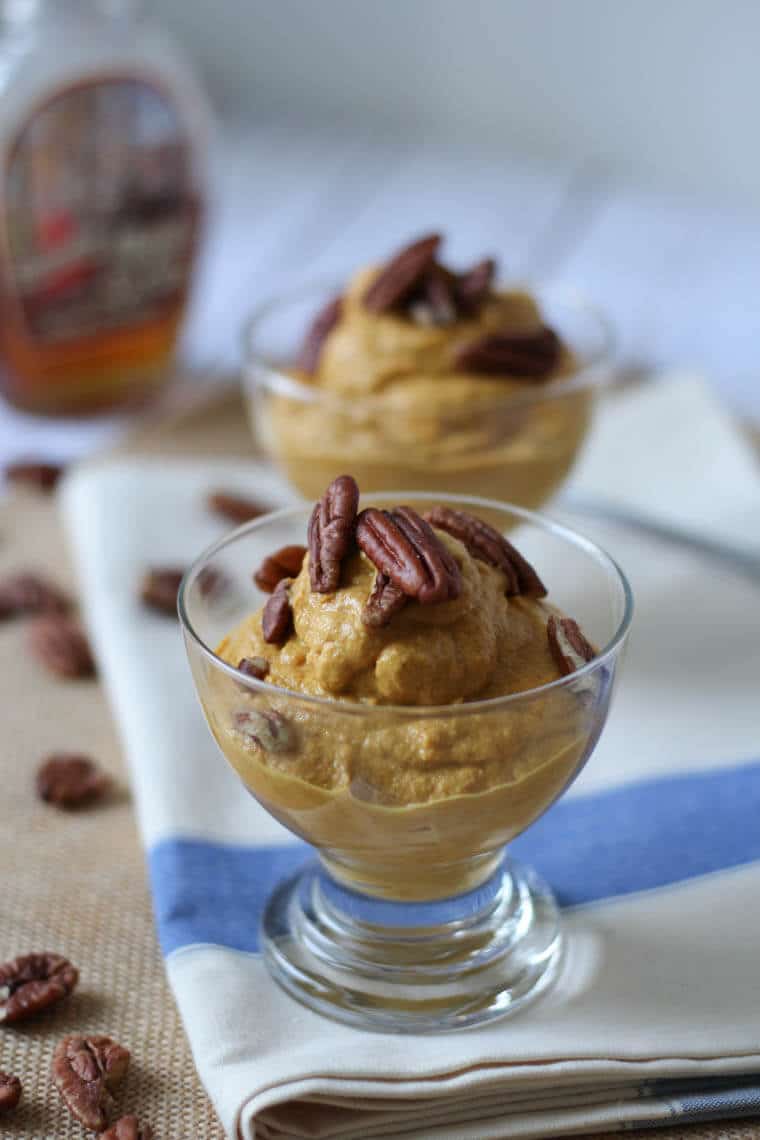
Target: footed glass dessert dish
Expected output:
[410,699]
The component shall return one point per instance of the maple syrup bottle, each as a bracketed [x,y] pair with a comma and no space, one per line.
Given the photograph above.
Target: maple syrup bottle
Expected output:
[102,148]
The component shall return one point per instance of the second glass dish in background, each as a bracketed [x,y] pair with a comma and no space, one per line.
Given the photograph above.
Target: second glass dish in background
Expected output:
[515,445]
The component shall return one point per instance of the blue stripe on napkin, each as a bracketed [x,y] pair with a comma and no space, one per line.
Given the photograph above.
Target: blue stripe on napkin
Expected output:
[633,838]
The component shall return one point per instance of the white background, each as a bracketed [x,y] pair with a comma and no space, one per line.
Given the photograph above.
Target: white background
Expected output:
[663,91]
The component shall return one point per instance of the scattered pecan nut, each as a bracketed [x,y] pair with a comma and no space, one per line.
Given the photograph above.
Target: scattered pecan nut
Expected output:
[485,543]
[86,1070]
[69,780]
[384,601]
[159,589]
[472,288]
[402,274]
[406,549]
[10,1092]
[284,563]
[266,728]
[39,475]
[213,582]
[257,667]
[128,1128]
[316,335]
[568,645]
[235,508]
[59,643]
[32,983]
[331,533]
[277,617]
[28,593]
[532,355]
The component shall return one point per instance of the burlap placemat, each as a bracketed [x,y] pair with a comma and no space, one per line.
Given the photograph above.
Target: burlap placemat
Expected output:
[75,883]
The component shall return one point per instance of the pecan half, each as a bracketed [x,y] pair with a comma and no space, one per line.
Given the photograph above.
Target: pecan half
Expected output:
[485,543]
[331,533]
[159,589]
[235,508]
[532,355]
[384,601]
[257,667]
[86,1070]
[128,1128]
[277,617]
[284,563]
[60,645]
[69,780]
[27,593]
[407,550]
[265,728]
[39,475]
[434,303]
[10,1092]
[402,274]
[32,983]
[472,288]
[569,647]
[317,333]
[443,577]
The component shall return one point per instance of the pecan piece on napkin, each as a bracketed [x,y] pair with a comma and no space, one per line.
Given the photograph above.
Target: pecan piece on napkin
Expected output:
[316,335]
[402,274]
[407,550]
[59,643]
[569,647]
[257,667]
[235,508]
[473,287]
[277,618]
[69,780]
[284,563]
[10,1092]
[531,355]
[41,476]
[159,589]
[384,601]
[32,983]
[85,1071]
[489,546]
[128,1128]
[28,593]
[331,533]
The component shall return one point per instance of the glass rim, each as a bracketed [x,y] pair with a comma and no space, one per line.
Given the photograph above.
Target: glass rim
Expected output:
[593,373]
[467,708]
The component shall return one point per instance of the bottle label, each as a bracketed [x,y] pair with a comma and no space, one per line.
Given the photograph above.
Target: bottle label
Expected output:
[100,211]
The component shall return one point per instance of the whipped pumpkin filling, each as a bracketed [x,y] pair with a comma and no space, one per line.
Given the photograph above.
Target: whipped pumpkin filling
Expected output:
[363,773]
[410,395]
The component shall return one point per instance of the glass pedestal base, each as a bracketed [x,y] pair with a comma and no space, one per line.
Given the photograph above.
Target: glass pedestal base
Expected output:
[413,967]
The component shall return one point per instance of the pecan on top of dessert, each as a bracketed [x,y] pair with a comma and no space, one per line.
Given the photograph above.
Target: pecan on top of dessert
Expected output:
[395,607]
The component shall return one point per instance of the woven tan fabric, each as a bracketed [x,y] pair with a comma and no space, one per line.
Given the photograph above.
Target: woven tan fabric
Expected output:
[75,883]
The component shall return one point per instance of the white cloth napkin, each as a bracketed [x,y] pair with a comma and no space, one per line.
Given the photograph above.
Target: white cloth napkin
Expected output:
[656,1014]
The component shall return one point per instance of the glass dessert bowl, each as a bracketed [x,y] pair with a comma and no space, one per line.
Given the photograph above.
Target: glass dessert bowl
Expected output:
[493,395]
[408,705]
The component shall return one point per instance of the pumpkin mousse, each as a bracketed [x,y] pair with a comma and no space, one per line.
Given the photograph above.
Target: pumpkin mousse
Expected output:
[419,377]
[407,772]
